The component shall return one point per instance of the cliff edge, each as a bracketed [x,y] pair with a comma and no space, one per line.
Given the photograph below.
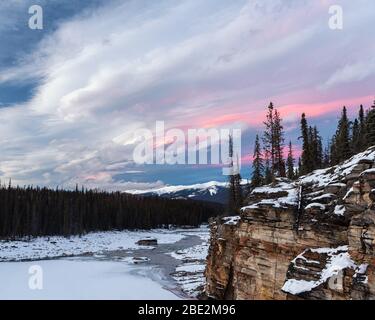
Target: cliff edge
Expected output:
[308,239]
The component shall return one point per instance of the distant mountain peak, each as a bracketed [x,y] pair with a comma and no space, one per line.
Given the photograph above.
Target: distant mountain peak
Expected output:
[213,191]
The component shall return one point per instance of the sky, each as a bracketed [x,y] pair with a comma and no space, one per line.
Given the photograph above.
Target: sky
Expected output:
[73,94]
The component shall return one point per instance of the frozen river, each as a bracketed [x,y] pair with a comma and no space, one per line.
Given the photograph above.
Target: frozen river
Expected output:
[80,279]
[101,269]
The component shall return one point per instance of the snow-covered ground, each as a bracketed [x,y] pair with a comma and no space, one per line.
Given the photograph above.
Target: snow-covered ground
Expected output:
[53,247]
[77,279]
[333,175]
[190,274]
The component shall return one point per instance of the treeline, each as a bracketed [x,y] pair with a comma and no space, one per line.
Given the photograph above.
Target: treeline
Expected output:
[40,212]
[270,162]
[350,138]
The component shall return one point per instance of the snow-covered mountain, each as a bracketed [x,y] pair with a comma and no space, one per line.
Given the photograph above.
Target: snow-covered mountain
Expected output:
[212,191]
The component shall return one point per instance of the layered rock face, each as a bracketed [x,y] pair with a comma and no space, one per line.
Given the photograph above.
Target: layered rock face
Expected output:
[309,239]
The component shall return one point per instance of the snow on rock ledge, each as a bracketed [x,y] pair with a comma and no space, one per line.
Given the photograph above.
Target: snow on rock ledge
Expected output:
[282,194]
[332,261]
[232,221]
[260,258]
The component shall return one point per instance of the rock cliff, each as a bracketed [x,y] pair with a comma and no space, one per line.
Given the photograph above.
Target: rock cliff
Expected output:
[308,239]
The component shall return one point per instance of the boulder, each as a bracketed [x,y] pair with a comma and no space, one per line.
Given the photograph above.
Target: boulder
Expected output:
[147,242]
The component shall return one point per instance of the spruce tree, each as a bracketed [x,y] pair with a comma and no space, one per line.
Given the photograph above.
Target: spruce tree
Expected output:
[313,147]
[342,140]
[355,141]
[290,163]
[362,139]
[269,141]
[327,155]
[235,190]
[318,149]
[258,167]
[238,187]
[268,177]
[273,141]
[306,161]
[231,209]
[279,166]
[299,167]
[370,127]
[334,157]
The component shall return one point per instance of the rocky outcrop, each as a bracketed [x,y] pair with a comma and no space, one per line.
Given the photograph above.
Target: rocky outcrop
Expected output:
[309,239]
[147,242]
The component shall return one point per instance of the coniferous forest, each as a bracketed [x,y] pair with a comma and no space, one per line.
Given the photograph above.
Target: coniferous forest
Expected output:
[273,159]
[350,138]
[45,212]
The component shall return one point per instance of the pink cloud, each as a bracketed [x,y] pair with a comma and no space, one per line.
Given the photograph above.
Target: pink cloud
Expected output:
[319,109]
[290,112]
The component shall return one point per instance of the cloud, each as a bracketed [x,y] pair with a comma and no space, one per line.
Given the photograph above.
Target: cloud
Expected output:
[352,73]
[102,74]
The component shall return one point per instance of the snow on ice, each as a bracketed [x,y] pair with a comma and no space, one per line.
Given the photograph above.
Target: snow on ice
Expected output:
[77,279]
[53,247]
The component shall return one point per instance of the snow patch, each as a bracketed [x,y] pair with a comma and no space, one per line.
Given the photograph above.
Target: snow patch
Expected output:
[339,210]
[332,176]
[191,267]
[338,259]
[351,190]
[324,197]
[315,205]
[53,247]
[360,273]
[368,171]
[320,178]
[347,167]
[296,287]
[280,202]
[232,221]
[190,274]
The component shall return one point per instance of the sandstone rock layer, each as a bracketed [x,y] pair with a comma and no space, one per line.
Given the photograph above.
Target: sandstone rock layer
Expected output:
[309,239]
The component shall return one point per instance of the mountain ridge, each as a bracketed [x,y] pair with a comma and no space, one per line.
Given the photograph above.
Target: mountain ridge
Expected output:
[212,191]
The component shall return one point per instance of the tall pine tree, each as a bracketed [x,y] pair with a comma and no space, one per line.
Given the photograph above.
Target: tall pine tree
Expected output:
[370,127]
[362,139]
[279,166]
[235,191]
[269,143]
[306,161]
[342,139]
[258,167]
[268,177]
[290,163]
[355,138]
[327,155]
[273,143]
[317,149]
